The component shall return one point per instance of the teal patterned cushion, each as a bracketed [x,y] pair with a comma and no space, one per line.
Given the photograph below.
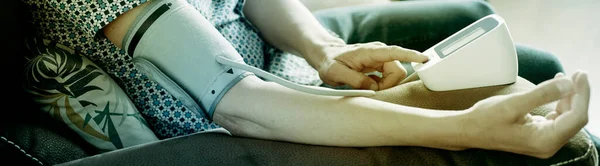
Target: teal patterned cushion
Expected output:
[74,90]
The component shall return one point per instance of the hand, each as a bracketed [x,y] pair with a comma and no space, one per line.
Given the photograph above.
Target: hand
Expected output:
[504,123]
[347,64]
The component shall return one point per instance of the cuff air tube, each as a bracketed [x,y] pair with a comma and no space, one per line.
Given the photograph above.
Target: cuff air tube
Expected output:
[173,44]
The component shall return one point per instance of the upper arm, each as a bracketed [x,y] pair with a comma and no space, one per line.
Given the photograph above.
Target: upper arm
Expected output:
[116,30]
[92,16]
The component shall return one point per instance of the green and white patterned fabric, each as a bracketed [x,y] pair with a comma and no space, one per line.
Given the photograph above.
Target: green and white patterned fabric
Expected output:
[75,91]
[76,24]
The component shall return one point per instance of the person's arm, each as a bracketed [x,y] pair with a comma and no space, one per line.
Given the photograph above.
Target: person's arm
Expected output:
[290,26]
[270,111]
[258,109]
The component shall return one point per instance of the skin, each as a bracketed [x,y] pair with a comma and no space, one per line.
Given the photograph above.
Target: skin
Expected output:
[338,63]
[258,109]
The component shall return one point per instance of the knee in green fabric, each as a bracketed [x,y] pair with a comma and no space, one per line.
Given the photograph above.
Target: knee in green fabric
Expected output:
[481,8]
[537,65]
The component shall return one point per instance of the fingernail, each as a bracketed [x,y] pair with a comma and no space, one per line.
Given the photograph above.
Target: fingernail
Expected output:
[373,86]
[426,58]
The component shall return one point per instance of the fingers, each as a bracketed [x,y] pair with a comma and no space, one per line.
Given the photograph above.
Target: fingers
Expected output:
[582,91]
[393,73]
[565,103]
[342,74]
[552,115]
[572,121]
[376,54]
[544,93]
[375,78]
[383,58]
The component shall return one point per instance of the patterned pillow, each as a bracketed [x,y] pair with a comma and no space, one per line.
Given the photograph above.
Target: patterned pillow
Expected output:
[77,92]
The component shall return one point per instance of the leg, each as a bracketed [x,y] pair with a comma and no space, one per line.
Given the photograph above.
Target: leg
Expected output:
[411,24]
[421,24]
[537,65]
[595,140]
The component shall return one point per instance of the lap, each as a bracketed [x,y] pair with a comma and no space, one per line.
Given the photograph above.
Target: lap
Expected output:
[415,94]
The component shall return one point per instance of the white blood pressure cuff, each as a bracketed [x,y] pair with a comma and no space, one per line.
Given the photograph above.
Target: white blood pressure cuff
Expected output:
[173,44]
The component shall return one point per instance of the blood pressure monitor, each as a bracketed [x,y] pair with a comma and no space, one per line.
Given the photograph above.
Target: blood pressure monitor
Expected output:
[481,54]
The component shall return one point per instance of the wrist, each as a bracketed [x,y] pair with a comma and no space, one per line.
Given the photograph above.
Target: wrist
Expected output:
[467,129]
[444,129]
[458,131]
[472,133]
[319,52]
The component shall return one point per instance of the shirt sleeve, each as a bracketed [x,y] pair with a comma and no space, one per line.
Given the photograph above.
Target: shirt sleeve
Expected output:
[91,16]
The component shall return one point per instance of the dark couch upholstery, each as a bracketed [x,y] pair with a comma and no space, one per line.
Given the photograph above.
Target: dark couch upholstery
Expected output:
[26,135]
[29,137]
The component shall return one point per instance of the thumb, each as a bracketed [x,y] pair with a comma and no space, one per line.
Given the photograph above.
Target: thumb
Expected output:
[342,74]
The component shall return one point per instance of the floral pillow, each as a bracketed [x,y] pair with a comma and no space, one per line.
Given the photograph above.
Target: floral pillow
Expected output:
[75,91]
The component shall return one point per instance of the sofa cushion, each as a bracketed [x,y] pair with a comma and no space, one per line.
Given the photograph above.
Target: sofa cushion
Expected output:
[73,90]
[46,143]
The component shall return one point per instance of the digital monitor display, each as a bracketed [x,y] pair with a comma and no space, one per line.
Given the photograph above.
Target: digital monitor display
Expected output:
[463,41]
[465,36]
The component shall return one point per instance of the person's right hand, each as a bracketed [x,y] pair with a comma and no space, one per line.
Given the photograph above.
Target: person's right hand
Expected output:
[346,64]
[504,123]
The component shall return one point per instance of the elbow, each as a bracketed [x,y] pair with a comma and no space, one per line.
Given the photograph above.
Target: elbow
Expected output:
[115,31]
[241,127]
[235,110]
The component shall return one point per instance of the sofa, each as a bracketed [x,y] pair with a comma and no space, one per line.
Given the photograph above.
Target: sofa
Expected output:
[29,136]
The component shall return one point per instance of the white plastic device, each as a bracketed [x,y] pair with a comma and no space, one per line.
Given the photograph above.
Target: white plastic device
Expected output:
[481,54]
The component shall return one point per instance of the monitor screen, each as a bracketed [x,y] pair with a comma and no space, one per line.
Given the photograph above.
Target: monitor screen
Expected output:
[463,41]
[465,36]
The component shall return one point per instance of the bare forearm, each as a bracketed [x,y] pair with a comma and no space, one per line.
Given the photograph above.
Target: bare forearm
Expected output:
[290,26]
[258,109]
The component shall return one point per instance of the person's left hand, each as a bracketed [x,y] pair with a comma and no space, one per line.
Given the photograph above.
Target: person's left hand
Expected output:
[504,122]
[347,64]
